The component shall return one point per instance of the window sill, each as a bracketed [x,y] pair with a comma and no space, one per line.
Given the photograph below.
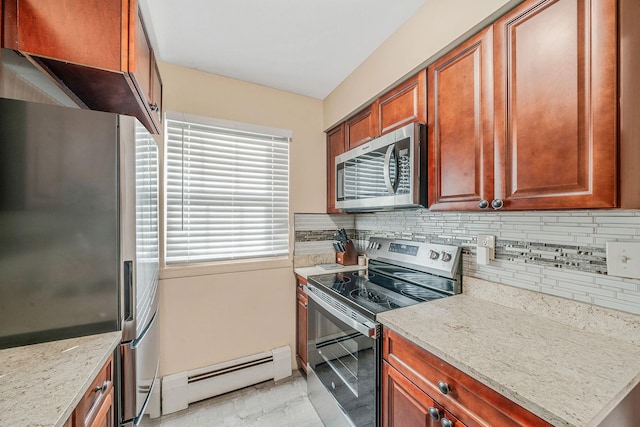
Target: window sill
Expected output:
[205,269]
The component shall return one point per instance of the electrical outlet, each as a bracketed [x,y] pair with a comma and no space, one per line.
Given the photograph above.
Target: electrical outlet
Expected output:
[485,250]
[623,259]
[487,241]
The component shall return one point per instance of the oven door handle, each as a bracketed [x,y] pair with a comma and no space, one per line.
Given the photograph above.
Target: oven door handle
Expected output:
[368,329]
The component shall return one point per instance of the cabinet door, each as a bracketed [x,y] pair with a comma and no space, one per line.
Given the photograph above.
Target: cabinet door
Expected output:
[404,104]
[74,31]
[301,327]
[555,81]
[405,405]
[335,146]
[155,102]
[460,126]
[362,127]
[139,54]
[105,416]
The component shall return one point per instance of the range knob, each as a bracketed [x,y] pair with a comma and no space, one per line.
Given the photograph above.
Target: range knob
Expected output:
[446,256]
[433,254]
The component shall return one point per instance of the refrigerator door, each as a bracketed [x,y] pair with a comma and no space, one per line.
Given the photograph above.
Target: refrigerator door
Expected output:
[140,251]
[140,363]
[59,259]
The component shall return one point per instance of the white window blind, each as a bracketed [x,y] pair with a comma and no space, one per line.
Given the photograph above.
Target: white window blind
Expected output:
[227,191]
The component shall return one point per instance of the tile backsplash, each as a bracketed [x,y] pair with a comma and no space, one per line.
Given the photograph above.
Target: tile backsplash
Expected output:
[560,253]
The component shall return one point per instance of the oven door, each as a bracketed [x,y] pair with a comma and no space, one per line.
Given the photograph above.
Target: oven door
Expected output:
[343,366]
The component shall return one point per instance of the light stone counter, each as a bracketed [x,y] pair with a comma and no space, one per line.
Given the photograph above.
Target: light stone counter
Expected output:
[41,384]
[543,353]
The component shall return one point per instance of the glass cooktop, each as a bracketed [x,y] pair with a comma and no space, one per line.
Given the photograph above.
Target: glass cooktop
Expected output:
[375,292]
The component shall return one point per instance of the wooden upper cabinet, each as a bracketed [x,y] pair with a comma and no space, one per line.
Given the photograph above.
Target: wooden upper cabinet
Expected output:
[97,51]
[362,127]
[139,53]
[460,125]
[543,133]
[335,146]
[155,98]
[555,105]
[404,104]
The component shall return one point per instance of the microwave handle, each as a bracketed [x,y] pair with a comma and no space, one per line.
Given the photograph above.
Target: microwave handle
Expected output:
[387,165]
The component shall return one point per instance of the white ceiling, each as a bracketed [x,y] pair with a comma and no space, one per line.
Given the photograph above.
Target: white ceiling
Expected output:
[302,46]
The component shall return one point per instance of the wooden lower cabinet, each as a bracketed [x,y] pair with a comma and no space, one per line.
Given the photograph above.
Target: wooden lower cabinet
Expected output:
[301,323]
[96,408]
[414,380]
[405,405]
[105,415]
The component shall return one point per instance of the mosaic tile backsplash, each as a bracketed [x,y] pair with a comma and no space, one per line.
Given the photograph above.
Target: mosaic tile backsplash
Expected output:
[558,252]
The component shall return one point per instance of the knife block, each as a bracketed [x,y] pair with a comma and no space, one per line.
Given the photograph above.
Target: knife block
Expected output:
[349,256]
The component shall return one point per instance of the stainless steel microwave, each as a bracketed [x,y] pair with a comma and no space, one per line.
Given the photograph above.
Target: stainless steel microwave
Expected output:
[388,172]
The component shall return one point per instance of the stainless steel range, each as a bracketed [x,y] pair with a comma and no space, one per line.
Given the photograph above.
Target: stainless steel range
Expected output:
[344,349]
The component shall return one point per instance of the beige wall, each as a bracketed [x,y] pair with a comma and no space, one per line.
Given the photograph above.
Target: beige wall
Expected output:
[433,27]
[211,315]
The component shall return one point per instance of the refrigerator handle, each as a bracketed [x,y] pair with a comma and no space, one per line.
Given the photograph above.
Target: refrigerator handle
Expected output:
[128,291]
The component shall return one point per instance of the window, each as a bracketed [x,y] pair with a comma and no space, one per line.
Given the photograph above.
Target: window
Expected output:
[227,191]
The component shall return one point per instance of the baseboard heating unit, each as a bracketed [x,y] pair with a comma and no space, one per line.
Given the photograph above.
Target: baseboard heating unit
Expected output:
[183,388]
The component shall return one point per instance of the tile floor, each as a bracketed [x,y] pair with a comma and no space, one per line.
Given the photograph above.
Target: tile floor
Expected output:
[269,404]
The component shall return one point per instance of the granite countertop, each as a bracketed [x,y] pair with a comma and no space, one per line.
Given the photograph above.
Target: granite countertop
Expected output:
[41,384]
[315,270]
[553,362]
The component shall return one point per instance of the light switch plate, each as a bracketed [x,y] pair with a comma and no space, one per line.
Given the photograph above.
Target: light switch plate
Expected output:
[623,259]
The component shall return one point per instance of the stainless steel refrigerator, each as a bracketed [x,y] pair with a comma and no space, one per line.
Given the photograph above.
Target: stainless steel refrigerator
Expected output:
[79,236]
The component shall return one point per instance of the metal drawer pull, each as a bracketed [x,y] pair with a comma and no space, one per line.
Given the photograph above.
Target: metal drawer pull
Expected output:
[444,387]
[102,388]
[446,422]
[434,413]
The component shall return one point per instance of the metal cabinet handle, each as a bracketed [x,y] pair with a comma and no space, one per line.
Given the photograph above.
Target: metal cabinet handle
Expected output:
[446,422]
[497,204]
[154,106]
[306,305]
[434,413]
[483,204]
[444,387]
[101,388]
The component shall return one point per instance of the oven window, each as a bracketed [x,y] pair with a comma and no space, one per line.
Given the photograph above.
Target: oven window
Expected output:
[345,362]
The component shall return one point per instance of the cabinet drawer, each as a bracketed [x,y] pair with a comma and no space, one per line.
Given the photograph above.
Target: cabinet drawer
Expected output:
[471,401]
[96,396]
[404,404]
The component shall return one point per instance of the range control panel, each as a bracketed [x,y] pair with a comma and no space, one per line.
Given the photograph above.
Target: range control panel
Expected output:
[443,260]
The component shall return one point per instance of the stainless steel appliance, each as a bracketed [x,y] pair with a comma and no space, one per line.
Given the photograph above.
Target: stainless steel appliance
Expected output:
[385,173]
[344,350]
[139,351]
[78,226]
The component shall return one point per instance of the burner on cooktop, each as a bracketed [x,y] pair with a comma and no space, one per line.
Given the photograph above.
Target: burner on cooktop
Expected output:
[369,295]
[339,281]
[363,273]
